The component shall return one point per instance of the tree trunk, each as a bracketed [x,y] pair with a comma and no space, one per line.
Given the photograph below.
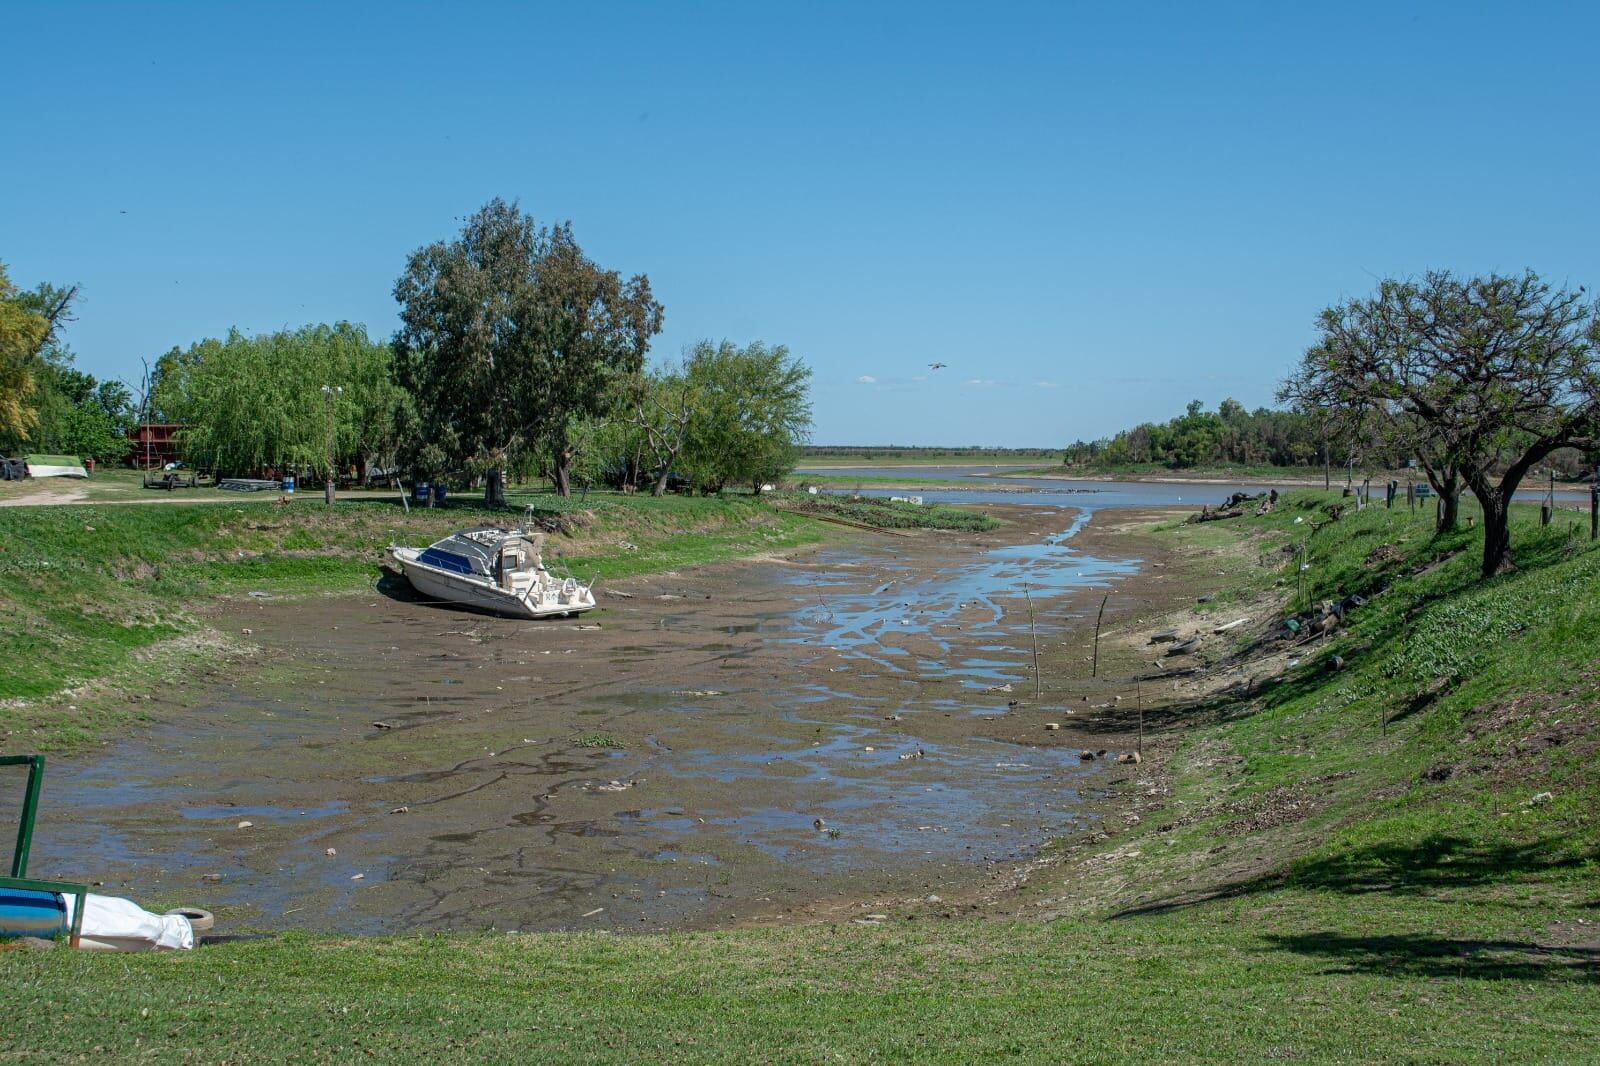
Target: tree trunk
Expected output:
[494,489]
[1448,488]
[1449,509]
[563,472]
[660,487]
[1496,533]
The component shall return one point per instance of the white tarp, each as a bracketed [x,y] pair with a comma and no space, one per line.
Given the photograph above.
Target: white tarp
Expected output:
[53,470]
[112,924]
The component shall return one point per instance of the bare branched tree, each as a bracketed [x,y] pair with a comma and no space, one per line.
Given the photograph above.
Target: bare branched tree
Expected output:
[1485,376]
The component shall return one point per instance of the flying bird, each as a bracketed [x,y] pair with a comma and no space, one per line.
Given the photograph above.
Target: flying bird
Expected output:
[935,366]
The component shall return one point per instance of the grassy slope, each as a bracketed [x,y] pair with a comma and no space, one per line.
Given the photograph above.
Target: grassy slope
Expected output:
[1420,769]
[1319,886]
[90,594]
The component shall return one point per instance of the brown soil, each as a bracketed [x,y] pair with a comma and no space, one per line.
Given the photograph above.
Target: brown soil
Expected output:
[665,761]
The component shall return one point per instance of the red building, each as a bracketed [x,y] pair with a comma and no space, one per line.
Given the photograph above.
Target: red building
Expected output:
[152,445]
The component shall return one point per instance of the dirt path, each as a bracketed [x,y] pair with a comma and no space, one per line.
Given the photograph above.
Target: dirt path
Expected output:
[665,761]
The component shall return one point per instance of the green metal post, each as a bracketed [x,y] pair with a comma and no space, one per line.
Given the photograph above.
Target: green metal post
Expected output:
[30,809]
[19,858]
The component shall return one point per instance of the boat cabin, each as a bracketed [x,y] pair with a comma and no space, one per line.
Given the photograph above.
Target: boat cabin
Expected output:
[510,558]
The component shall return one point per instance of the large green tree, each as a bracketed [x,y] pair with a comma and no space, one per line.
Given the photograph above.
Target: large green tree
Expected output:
[1495,374]
[509,337]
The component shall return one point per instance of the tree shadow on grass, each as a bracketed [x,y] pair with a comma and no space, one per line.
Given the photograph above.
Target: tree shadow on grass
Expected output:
[1123,718]
[1437,862]
[1413,955]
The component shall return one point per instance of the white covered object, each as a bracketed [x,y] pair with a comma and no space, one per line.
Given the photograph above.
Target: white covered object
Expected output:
[112,924]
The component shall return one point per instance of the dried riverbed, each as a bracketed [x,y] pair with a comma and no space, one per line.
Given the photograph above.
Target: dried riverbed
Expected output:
[756,741]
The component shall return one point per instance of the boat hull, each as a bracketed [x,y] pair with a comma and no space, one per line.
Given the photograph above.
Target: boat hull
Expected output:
[458,589]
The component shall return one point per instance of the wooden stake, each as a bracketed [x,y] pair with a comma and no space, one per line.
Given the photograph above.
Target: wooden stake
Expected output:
[1033,631]
[1138,697]
[1095,671]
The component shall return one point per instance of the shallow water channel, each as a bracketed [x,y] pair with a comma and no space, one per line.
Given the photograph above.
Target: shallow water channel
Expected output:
[668,767]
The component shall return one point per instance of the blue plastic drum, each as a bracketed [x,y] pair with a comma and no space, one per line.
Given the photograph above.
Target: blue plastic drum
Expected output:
[421,494]
[26,912]
[288,484]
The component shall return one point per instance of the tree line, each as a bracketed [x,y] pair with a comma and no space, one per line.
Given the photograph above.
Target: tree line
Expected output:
[1228,436]
[46,404]
[517,356]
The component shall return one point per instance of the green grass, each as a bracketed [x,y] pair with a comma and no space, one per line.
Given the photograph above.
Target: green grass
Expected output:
[105,484]
[1245,982]
[90,595]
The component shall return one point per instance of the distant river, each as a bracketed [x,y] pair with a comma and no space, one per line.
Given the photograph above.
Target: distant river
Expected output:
[979,484]
[1088,495]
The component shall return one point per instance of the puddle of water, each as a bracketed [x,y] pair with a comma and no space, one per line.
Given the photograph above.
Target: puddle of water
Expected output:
[212,812]
[864,624]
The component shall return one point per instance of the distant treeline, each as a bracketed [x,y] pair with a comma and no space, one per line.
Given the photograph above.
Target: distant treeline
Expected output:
[1231,435]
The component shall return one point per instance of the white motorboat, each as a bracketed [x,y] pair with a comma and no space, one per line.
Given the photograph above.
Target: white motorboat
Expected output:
[497,570]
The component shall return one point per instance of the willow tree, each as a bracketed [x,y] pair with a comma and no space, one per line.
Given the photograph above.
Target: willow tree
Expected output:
[1493,373]
[253,402]
[509,335]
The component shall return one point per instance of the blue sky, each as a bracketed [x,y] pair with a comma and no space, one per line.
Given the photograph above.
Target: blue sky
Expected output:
[1091,213]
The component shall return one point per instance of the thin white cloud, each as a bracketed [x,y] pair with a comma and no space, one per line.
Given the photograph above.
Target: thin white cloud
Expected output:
[1046,385]
[866,379]
[981,383]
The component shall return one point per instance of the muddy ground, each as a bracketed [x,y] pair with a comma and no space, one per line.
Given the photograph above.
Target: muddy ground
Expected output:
[844,730]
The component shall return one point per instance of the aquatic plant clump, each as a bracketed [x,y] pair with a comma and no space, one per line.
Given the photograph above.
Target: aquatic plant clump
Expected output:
[887,514]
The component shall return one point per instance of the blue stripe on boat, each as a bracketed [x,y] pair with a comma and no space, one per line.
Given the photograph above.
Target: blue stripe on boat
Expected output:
[446,561]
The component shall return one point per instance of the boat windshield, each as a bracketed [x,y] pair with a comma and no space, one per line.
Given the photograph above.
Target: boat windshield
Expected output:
[471,551]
